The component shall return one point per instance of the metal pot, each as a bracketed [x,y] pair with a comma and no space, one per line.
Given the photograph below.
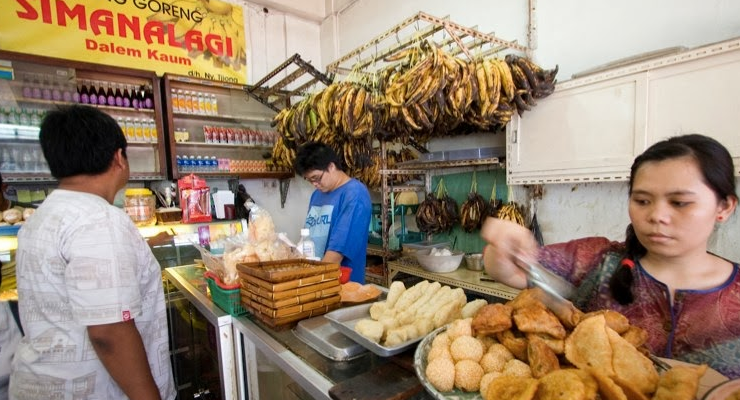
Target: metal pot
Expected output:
[474,262]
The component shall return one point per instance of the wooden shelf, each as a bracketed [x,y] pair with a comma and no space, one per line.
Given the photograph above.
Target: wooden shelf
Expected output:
[224,145]
[262,119]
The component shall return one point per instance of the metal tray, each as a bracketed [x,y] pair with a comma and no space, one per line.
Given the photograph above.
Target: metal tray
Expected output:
[319,333]
[345,319]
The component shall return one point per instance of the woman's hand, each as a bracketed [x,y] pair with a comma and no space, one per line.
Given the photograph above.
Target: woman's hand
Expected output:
[507,242]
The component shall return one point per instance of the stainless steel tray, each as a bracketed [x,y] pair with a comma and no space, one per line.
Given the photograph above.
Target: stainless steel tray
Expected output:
[345,319]
[319,333]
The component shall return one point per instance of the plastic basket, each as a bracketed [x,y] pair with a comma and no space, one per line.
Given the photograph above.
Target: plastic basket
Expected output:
[228,300]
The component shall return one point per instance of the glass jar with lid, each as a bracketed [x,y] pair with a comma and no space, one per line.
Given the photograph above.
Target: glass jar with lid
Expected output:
[141,205]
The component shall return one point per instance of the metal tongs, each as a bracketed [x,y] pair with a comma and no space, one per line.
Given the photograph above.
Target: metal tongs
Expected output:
[557,291]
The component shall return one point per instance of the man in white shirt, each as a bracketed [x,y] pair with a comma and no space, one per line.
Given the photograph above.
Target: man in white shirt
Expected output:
[89,289]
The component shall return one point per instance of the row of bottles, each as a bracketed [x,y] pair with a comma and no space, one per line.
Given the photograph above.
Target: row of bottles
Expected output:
[139,130]
[21,116]
[192,102]
[48,87]
[22,159]
[87,91]
[116,94]
[187,164]
[238,135]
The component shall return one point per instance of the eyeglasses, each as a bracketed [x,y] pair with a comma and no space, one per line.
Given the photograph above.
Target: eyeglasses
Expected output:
[316,179]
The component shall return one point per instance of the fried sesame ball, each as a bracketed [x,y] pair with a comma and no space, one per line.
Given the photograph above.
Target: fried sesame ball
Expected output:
[460,327]
[466,348]
[441,374]
[487,341]
[468,374]
[492,362]
[439,351]
[516,367]
[442,339]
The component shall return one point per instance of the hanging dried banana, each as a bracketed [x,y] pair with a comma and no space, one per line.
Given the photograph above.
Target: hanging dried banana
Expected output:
[473,210]
[429,215]
[494,203]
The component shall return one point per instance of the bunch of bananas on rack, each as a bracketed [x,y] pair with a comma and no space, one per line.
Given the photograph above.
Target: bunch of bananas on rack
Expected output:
[438,212]
[424,92]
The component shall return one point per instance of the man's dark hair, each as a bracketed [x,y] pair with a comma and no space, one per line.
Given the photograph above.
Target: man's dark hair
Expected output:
[315,155]
[80,140]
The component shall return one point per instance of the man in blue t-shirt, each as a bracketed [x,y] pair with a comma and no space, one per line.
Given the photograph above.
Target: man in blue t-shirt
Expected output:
[339,211]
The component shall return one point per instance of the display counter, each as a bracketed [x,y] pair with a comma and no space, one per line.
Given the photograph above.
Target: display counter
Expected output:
[473,281]
[276,364]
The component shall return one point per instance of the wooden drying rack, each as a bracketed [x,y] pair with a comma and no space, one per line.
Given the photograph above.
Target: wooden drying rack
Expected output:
[277,94]
[466,39]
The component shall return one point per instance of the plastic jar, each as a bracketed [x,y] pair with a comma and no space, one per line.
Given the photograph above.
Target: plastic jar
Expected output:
[140,205]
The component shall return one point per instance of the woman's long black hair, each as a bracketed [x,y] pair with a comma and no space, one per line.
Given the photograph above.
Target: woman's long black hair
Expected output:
[715,164]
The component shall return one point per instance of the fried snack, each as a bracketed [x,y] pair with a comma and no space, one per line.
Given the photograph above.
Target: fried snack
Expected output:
[562,384]
[486,380]
[614,320]
[491,319]
[516,368]
[589,382]
[512,388]
[442,339]
[679,383]
[608,389]
[441,374]
[394,293]
[630,390]
[542,360]
[516,344]
[630,365]
[468,374]
[531,297]
[460,327]
[370,329]
[472,307]
[556,345]
[378,310]
[466,348]
[588,346]
[538,320]
[635,335]
[439,351]
[487,341]
[568,315]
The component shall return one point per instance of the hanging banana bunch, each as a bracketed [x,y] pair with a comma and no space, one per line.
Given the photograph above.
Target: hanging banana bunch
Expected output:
[511,211]
[494,203]
[473,210]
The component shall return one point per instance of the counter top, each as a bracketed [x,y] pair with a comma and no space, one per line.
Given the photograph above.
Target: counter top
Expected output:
[318,375]
[461,277]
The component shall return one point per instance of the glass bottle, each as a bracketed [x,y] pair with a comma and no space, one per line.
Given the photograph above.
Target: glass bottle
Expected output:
[135,97]
[153,131]
[126,96]
[27,89]
[68,92]
[214,104]
[118,95]
[84,93]
[93,93]
[46,89]
[148,97]
[36,87]
[56,91]
[110,96]
[188,102]
[102,96]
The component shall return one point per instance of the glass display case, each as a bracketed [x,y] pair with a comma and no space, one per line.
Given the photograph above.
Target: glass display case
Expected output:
[31,85]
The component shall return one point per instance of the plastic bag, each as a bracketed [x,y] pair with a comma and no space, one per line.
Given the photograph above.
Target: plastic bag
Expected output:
[261,227]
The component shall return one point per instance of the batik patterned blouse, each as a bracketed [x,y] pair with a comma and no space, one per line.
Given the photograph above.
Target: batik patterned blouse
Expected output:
[700,327]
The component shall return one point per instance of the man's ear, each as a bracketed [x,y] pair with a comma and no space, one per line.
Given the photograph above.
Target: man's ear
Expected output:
[120,160]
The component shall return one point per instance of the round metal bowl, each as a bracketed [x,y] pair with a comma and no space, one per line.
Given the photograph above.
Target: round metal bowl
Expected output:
[474,262]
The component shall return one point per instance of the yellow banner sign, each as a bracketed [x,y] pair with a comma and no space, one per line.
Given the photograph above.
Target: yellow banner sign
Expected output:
[200,38]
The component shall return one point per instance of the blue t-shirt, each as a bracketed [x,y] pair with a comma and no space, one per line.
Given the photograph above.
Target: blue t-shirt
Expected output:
[339,221]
